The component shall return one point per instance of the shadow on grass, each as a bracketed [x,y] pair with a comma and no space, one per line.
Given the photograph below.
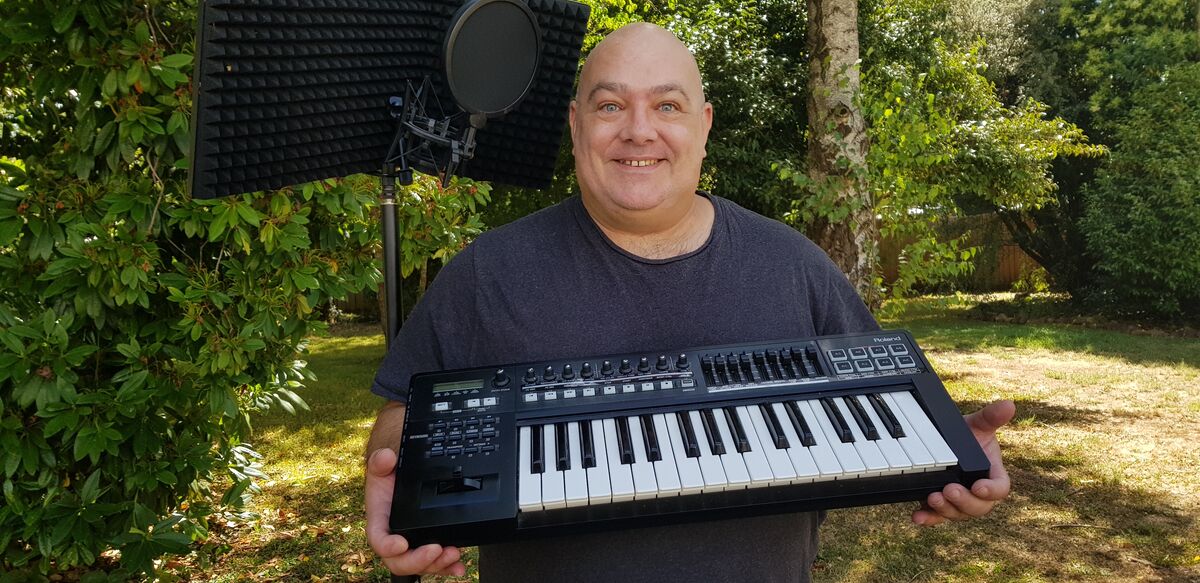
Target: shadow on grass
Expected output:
[1064,522]
[1034,410]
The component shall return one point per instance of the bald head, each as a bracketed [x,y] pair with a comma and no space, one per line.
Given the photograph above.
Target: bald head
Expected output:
[643,45]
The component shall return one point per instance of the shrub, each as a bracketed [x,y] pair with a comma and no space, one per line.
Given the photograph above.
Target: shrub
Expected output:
[1143,209]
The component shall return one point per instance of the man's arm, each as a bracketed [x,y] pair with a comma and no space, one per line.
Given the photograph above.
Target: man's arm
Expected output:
[380,483]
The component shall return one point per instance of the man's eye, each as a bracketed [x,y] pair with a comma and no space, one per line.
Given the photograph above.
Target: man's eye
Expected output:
[668,107]
[609,107]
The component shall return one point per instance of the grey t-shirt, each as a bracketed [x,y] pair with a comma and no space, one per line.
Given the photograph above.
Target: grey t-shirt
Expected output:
[552,286]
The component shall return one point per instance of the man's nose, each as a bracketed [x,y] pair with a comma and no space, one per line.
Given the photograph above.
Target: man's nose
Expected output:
[639,126]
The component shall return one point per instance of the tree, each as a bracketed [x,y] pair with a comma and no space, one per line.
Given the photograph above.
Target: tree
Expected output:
[841,217]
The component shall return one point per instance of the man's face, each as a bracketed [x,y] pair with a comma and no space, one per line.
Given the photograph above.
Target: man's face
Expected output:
[639,123]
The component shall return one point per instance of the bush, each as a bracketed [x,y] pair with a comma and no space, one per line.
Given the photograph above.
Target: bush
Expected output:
[1143,210]
[139,329]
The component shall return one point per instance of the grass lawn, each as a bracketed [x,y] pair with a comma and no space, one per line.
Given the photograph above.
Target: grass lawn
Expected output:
[1103,455]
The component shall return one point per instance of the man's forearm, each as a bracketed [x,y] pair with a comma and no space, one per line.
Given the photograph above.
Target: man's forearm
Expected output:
[389,426]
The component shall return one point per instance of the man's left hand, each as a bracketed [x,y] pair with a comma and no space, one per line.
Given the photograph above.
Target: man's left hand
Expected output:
[956,502]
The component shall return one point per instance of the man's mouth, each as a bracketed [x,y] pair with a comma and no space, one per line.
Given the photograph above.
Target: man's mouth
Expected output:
[639,163]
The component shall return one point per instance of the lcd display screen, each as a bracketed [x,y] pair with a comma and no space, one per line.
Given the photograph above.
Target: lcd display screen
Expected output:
[470,385]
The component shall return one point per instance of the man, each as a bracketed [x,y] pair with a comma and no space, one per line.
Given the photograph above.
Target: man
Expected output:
[638,262]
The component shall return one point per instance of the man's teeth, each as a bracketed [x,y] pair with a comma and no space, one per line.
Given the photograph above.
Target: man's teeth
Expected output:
[639,162]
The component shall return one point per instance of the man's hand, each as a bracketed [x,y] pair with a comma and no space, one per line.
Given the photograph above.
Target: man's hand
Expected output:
[955,502]
[392,548]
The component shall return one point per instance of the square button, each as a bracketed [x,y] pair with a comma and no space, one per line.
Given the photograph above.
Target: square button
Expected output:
[473,402]
[667,385]
[857,353]
[628,388]
[906,362]
[687,383]
[863,365]
[489,402]
[843,367]
[549,396]
[530,397]
[569,394]
[837,355]
[884,363]
[441,406]
[647,386]
[610,390]
[878,351]
[589,392]
[897,349]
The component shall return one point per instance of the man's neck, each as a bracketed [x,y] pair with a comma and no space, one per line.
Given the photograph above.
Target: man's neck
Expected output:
[657,236]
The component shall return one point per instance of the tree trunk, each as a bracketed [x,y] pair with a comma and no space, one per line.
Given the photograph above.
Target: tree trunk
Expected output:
[837,143]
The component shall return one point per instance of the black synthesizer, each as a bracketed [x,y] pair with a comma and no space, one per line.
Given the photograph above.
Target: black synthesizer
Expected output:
[546,448]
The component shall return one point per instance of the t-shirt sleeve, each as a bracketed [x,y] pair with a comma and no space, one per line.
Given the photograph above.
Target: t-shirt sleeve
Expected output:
[442,314]
[839,308]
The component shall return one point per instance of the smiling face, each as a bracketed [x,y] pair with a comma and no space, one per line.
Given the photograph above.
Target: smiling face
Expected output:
[639,123]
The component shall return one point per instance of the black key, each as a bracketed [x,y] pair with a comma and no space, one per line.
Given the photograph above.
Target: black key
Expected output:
[586,444]
[689,434]
[886,416]
[735,425]
[774,427]
[798,422]
[714,435]
[562,447]
[839,423]
[537,464]
[650,438]
[860,416]
[624,441]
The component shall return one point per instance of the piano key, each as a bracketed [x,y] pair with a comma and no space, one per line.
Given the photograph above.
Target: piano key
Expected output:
[888,445]
[735,466]
[868,451]
[886,416]
[529,483]
[691,479]
[802,427]
[688,434]
[777,458]
[562,459]
[650,438]
[836,420]
[916,451]
[620,476]
[860,417]
[666,473]
[553,493]
[802,459]
[587,445]
[624,440]
[774,427]
[923,429]
[847,455]
[644,484]
[710,462]
[599,488]
[757,465]
[735,427]
[537,460]
[575,477]
[715,443]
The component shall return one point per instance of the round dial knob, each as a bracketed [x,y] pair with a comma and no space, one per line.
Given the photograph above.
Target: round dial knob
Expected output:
[549,374]
[501,379]
[606,368]
[681,363]
[568,372]
[625,366]
[644,365]
[662,362]
[530,376]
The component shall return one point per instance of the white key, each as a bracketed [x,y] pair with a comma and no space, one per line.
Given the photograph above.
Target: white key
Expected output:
[943,456]
[665,470]
[599,489]
[757,465]
[802,460]
[916,451]
[553,494]
[710,463]
[644,484]
[867,450]
[735,467]
[781,465]
[691,479]
[575,479]
[529,484]
[822,452]
[847,456]
[888,446]
[621,475]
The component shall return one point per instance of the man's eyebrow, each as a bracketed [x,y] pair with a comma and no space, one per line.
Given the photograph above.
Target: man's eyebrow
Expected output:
[621,87]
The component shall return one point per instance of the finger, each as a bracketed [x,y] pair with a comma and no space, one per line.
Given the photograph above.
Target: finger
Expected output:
[448,559]
[380,481]
[942,507]
[455,570]
[965,503]
[418,560]
[995,488]
[992,417]
[925,516]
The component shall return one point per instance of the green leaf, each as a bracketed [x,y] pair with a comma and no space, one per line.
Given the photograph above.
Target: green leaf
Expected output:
[91,488]
[63,19]
[177,60]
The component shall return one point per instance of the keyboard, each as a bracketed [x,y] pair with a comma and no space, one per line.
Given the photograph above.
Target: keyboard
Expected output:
[509,452]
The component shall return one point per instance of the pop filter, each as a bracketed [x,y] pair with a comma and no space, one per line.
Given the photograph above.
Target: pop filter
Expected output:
[491,55]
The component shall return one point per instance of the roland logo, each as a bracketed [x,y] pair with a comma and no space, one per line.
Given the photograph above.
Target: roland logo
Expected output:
[886,339]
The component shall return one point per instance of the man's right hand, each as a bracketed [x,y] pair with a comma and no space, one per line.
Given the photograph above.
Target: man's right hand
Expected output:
[393,549]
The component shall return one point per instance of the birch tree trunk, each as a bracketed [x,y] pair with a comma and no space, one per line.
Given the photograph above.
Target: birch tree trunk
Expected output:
[837,143]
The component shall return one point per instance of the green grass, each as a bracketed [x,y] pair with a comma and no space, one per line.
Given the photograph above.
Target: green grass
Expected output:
[1106,485]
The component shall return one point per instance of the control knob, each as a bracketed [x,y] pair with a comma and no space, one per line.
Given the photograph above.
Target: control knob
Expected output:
[644,365]
[606,368]
[530,377]
[625,366]
[549,375]
[568,372]
[501,379]
[586,371]
[681,363]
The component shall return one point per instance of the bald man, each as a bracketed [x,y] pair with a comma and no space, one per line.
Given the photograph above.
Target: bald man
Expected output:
[638,262]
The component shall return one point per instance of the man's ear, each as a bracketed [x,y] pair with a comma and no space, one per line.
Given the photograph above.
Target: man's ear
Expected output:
[571,117]
[707,116]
